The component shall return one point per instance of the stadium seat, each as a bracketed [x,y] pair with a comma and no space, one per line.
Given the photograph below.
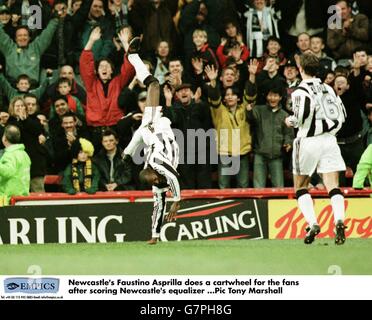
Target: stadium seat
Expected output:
[52,179]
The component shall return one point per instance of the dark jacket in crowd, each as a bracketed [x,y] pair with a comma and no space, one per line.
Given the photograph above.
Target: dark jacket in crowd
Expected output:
[315,11]
[65,38]
[126,126]
[343,45]
[354,102]
[62,151]
[155,24]
[194,116]
[264,83]
[122,176]
[30,129]
[270,131]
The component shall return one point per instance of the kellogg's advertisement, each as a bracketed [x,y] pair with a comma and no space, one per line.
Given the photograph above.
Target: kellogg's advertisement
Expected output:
[287,222]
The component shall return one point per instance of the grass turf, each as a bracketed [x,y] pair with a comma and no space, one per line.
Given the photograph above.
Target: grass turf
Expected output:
[239,257]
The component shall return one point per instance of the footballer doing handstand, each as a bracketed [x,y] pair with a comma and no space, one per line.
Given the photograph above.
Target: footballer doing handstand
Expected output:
[162,150]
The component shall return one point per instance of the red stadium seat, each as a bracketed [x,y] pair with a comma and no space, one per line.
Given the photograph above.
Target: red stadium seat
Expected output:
[52,179]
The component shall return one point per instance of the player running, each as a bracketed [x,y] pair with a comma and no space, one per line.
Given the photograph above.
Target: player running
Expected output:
[318,115]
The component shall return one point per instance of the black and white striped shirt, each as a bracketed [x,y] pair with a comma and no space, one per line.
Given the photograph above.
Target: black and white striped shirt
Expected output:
[163,156]
[317,109]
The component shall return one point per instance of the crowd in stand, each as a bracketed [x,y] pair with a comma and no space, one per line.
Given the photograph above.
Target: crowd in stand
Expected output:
[227,65]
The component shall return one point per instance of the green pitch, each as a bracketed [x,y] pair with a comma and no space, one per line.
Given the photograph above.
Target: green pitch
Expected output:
[239,257]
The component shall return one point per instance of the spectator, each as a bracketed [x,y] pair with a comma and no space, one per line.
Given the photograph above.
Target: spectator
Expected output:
[161,61]
[23,56]
[232,33]
[14,166]
[114,175]
[119,10]
[103,46]
[67,71]
[293,80]
[4,116]
[203,55]
[364,169]
[33,111]
[58,109]
[233,38]
[132,120]
[273,50]
[32,136]
[77,90]
[261,24]
[299,16]
[63,137]
[23,85]
[326,63]
[73,6]
[195,15]
[82,174]
[221,11]
[103,90]
[268,78]
[186,115]
[176,71]
[32,105]
[349,137]
[6,21]
[303,46]
[129,98]
[361,55]
[272,139]
[26,16]
[229,78]
[233,153]
[353,34]
[125,129]
[154,20]
[61,50]
[330,78]
[74,104]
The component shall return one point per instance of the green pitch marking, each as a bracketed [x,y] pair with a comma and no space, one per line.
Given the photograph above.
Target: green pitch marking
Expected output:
[239,257]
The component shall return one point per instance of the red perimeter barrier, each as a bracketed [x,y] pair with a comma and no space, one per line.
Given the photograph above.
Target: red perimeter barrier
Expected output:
[190,194]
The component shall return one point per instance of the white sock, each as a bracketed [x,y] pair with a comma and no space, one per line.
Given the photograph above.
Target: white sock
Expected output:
[306,205]
[338,207]
[141,70]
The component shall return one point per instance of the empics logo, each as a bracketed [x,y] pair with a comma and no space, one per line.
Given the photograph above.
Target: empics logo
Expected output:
[12,286]
[31,285]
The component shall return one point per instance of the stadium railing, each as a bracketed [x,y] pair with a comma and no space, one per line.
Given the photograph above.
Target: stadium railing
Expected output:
[133,196]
